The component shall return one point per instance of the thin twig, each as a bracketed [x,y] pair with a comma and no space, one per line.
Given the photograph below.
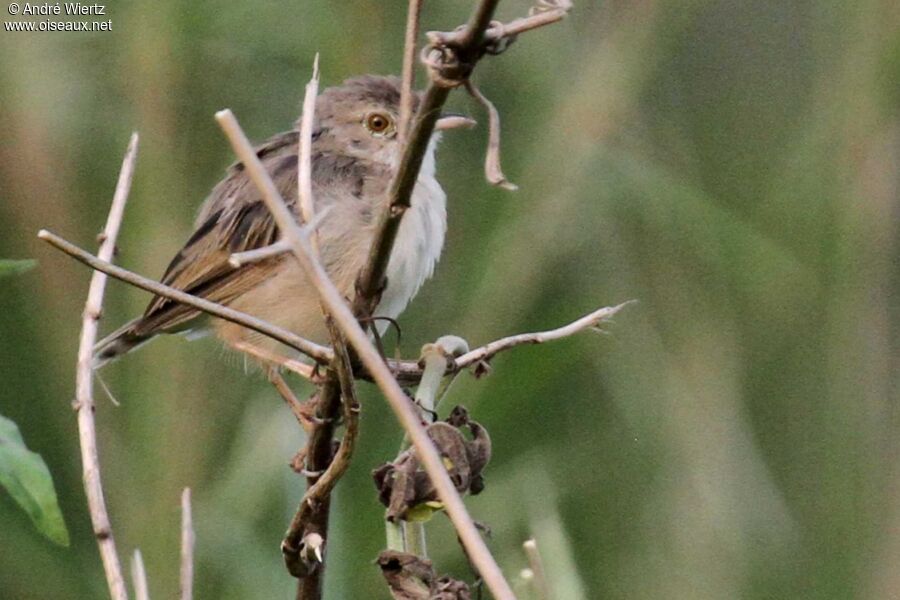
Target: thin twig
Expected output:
[589,321]
[546,13]
[304,165]
[139,577]
[371,280]
[287,394]
[239,259]
[84,379]
[409,371]
[293,365]
[406,371]
[408,77]
[472,35]
[345,319]
[187,547]
[539,577]
[320,354]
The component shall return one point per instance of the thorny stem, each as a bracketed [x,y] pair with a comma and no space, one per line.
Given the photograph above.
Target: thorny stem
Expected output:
[311,515]
[315,514]
[84,378]
[371,280]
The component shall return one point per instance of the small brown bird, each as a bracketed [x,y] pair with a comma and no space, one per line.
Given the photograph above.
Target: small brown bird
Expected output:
[355,154]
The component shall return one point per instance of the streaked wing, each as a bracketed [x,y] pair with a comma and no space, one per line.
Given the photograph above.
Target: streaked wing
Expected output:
[235,219]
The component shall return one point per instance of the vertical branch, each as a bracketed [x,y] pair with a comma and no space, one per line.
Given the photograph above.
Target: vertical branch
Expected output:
[139,577]
[318,458]
[372,278]
[539,577]
[187,547]
[319,445]
[408,79]
[311,519]
[304,164]
[478,23]
[84,380]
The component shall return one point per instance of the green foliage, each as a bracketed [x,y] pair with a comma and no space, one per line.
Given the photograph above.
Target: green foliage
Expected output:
[12,267]
[26,477]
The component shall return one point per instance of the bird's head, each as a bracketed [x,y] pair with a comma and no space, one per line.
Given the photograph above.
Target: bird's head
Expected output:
[361,117]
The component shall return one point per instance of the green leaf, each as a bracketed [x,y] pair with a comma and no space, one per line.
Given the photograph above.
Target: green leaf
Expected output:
[27,479]
[13,267]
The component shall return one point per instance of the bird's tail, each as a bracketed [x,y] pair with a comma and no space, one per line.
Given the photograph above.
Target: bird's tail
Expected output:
[119,342]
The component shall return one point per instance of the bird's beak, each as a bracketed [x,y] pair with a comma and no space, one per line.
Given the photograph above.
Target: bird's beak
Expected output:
[453,121]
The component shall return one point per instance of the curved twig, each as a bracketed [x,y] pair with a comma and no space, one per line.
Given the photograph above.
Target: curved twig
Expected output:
[589,321]
[84,380]
[492,171]
[410,371]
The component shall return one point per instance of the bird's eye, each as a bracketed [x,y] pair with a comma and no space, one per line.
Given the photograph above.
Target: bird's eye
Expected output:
[379,123]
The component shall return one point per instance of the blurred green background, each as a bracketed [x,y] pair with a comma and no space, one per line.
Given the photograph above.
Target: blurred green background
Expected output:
[734,166]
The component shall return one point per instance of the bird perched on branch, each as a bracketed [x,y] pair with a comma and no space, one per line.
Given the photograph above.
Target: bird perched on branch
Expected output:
[355,154]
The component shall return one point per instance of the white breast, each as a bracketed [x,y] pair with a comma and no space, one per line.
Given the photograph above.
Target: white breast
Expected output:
[419,242]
